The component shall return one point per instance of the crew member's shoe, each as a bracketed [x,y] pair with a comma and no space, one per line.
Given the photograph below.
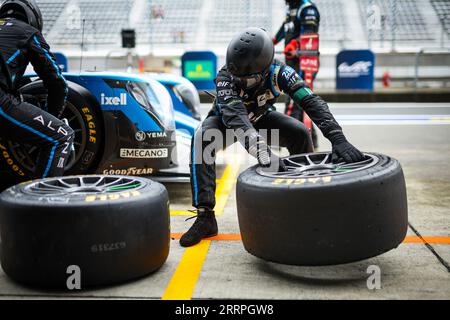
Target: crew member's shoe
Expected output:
[204,226]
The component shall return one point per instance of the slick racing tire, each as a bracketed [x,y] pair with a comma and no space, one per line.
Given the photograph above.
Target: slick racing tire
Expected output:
[320,213]
[84,117]
[112,228]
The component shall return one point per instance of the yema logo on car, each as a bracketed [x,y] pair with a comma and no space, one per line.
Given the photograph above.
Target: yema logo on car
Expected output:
[144,153]
[357,69]
[142,136]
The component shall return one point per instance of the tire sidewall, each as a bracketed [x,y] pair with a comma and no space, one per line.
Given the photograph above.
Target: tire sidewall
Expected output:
[327,220]
[109,239]
[381,168]
[93,123]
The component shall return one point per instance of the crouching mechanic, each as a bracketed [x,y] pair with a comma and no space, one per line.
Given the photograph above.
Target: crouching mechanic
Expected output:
[247,87]
[21,42]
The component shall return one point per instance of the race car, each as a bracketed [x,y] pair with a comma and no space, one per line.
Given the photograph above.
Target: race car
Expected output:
[185,97]
[124,124]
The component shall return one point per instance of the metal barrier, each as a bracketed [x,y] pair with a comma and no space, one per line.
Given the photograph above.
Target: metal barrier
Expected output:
[128,53]
[418,55]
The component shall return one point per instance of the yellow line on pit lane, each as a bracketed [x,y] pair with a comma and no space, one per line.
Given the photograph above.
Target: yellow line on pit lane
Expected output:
[224,187]
[440,119]
[184,280]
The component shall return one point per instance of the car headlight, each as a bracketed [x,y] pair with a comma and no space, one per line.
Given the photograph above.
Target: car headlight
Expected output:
[187,93]
[154,99]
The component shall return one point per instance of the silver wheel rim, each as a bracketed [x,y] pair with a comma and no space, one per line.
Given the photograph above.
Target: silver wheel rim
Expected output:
[83,185]
[312,165]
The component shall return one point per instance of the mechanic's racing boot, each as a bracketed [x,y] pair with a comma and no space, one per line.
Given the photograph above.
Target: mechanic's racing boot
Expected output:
[204,226]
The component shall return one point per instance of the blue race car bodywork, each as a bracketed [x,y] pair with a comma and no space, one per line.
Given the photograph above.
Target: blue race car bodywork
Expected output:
[124,124]
[185,98]
[148,120]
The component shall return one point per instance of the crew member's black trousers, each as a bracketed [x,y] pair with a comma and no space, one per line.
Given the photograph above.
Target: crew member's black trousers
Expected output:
[292,134]
[25,123]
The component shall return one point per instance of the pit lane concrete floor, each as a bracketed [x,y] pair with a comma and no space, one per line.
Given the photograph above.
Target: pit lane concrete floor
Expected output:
[416,134]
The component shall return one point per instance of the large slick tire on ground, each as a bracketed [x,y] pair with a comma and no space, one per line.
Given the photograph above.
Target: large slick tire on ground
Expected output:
[113,228]
[320,213]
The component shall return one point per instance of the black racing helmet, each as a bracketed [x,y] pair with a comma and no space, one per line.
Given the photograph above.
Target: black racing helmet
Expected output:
[250,52]
[294,3]
[25,10]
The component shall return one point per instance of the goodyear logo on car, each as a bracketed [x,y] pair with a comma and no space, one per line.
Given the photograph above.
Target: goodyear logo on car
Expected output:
[302,181]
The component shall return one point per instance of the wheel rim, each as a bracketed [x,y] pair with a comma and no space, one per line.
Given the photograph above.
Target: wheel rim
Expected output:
[312,165]
[26,155]
[83,185]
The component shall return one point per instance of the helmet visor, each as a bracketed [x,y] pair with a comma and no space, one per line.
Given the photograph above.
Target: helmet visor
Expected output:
[253,80]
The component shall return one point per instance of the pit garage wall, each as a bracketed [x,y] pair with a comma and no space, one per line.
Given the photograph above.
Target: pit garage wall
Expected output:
[434,68]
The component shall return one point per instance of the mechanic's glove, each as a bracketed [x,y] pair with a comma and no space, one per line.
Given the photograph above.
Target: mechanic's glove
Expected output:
[29,98]
[57,111]
[271,162]
[280,163]
[61,111]
[291,49]
[258,148]
[342,149]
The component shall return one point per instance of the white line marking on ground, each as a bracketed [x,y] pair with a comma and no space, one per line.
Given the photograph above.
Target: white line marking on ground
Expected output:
[404,119]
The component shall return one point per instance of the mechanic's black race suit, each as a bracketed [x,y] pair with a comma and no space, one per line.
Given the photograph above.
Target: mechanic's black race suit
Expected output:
[302,17]
[23,122]
[250,110]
